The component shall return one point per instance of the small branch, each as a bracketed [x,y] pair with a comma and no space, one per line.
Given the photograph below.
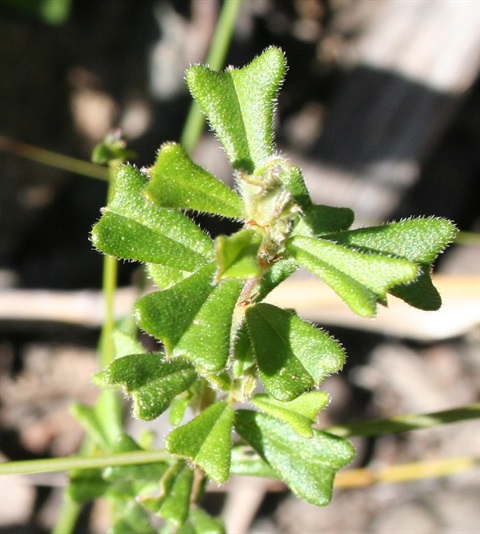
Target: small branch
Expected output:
[392,424]
[53,159]
[353,478]
[404,423]
[53,465]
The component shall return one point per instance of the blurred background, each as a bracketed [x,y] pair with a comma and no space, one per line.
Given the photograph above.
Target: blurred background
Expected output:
[380,108]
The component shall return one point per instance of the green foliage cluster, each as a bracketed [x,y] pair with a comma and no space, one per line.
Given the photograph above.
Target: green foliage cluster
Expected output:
[247,371]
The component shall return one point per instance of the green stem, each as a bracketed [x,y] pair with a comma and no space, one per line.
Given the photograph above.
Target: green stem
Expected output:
[468,238]
[67,517]
[215,60]
[112,410]
[404,423]
[401,423]
[110,275]
[109,285]
[53,159]
[54,465]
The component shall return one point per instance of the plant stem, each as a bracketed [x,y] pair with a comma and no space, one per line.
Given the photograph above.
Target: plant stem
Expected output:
[112,411]
[53,159]
[404,423]
[215,60]
[393,424]
[54,465]
[468,238]
[110,275]
[352,478]
[109,286]
[67,517]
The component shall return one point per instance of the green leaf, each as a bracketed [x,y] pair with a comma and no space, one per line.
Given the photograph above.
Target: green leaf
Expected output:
[360,279]
[419,240]
[103,430]
[134,229]
[119,482]
[300,413]
[133,519]
[246,462]
[125,344]
[239,105]
[177,182]
[167,314]
[193,318]
[177,409]
[243,359]
[318,220]
[113,148]
[292,355]
[206,440]
[421,293]
[164,276]
[87,485]
[237,255]
[152,382]
[203,523]
[173,503]
[206,341]
[307,466]
[292,179]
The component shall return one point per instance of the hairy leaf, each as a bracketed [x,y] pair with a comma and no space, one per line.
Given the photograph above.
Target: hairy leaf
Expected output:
[292,179]
[168,314]
[151,381]
[278,273]
[239,105]
[419,240]
[307,466]
[360,279]
[292,355]
[318,220]
[421,293]
[299,413]
[237,255]
[177,182]
[193,318]
[173,502]
[206,440]
[246,462]
[134,229]
[206,342]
